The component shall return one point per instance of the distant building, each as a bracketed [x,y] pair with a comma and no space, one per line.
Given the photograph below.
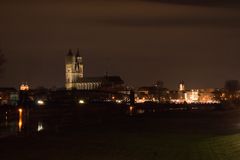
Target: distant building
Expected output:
[75,76]
[232,89]
[159,84]
[181,86]
[8,96]
[74,70]
[154,93]
[207,96]
[24,87]
[197,96]
[181,92]
[192,96]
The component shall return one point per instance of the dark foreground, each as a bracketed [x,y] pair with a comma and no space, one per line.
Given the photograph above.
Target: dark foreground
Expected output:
[176,135]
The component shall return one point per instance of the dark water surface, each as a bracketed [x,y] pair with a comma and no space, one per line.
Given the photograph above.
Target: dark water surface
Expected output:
[118,132]
[23,120]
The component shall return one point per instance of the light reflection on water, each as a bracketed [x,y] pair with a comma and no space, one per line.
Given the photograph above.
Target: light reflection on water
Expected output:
[6,119]
[140,111]
[23,120]
[132,110]
[20,119]
[136,110]
[40,126]
[17,122]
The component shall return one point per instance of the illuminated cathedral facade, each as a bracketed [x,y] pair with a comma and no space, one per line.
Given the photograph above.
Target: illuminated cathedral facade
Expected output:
[74,69]
[75,76]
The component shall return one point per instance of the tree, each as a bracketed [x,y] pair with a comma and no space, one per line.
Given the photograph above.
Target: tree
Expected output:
[231,88]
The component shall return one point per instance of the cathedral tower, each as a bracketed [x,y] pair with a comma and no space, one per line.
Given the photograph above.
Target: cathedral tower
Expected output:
[181,86]
[74,69]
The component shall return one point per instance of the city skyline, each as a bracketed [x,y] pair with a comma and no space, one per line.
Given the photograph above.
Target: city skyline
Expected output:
[78,56]
[142,41]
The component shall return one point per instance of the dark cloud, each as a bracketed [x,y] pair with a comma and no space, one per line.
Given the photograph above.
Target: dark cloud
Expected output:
[174,22]
[199,2]
[139,40]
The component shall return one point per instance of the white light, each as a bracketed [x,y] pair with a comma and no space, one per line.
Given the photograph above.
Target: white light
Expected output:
[118,101]
[81,101]
[40,102]
[40,126]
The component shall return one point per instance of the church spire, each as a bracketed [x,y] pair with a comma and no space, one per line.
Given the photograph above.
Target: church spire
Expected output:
[70,52]
[78,53]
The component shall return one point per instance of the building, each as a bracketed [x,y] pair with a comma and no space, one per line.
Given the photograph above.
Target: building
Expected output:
[75,76]
[8,96]
[24,87]
[181,86]
[207,96]
[74,70]
[191,96]
[201,96]
[155,93]
[181,92]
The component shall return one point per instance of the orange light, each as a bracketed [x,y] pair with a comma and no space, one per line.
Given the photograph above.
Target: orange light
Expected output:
[24,87]
[131,108]
[20,125]
[20,110]
[20,122]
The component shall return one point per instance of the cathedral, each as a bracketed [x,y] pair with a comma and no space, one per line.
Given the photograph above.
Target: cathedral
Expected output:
[75,76]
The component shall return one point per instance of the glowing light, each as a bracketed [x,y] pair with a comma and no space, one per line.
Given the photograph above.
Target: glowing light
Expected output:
[40,102]
[131,108]
[20,121]
[81,101]
[181,86]
[24,87]
[118,101]
[138,100]
[20,110]
[140,111]
[20,125]
[40,126]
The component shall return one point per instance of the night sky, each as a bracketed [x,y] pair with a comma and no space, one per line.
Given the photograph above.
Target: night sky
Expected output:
[140,40]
